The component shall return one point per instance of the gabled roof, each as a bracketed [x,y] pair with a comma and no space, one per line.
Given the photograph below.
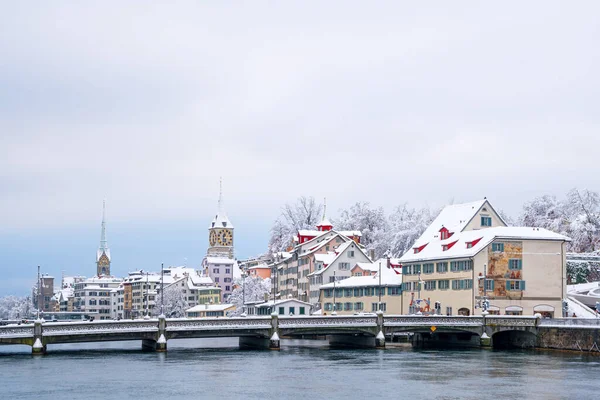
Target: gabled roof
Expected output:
[480,239]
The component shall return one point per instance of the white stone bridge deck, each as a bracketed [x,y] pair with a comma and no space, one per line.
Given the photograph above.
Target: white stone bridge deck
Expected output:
[360,330]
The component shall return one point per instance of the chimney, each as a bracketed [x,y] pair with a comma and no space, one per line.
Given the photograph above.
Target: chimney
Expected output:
[372,254]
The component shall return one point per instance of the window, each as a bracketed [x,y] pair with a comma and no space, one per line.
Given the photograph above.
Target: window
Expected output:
[348,292]
[215,270]
[443,284]
[338,306]
[347,306]
[465,265]
[462,284]
[302,311]
[428,268]
[227,288]
[373,307]
[216,279]
[358,306]
[448,310]
[515,264]
[497,246]
[351,253]
[292,310]
[407,270]
[331,279]
[441,267]
[328,307]
[328,292]
[344,266]
[486,221]
[515,285]
[281,310]
[358,292]
[429,285]
[394,291]
[227,270]
[489,284]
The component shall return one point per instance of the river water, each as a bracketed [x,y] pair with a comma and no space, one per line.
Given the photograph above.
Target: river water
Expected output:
[303,369]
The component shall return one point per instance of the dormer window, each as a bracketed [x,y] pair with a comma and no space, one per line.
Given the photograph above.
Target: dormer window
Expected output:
[419,249]
[486,220]
[448,246]
[472,243]
[224,224]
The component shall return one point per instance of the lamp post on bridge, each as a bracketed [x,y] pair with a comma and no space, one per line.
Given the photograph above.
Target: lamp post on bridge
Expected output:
[162,290]
[485,304]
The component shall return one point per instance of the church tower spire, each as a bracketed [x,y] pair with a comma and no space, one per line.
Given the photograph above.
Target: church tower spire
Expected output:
[220,231]
[103,253]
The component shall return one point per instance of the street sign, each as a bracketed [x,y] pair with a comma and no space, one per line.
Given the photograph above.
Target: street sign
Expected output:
[433,328]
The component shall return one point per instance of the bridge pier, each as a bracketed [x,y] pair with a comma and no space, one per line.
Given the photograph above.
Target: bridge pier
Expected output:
[161,343]
[39,347]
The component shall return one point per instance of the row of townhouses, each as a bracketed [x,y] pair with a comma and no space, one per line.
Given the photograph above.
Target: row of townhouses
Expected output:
[467,259]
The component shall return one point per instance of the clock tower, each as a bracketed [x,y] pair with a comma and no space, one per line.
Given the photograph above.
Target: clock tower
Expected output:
[220,232]
[103,253]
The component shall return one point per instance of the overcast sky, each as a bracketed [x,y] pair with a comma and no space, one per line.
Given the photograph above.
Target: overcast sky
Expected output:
[146,105]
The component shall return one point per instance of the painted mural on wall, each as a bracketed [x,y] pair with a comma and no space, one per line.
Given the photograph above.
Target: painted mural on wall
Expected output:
[498,268]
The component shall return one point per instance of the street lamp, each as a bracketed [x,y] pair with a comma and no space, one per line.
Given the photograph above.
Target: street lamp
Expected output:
[334,307]
[379,289]
[485,304]
[162,289]
[244,294]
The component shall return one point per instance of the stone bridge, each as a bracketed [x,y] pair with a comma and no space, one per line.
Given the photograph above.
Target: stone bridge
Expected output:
[355,330]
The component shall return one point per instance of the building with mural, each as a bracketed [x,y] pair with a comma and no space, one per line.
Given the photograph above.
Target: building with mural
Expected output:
[469,252]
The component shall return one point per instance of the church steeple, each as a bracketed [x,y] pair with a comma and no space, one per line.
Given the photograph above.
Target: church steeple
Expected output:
[103,253]
[220,237]
[324,225]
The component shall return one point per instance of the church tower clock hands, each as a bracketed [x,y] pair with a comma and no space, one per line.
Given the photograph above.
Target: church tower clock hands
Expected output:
[220,237]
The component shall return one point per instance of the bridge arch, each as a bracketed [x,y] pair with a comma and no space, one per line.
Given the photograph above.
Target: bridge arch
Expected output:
[514,339]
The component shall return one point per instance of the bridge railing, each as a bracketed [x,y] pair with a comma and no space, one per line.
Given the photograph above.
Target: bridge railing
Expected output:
[99,327]
[512,320]
[421,320]
[328,321]
[184,324]
[16,331]
[570,322]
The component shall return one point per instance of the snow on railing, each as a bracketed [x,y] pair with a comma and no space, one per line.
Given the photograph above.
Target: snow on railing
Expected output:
[100,327]
[328,321]
[16,331]
[422,320]
[570,322]
[218,324]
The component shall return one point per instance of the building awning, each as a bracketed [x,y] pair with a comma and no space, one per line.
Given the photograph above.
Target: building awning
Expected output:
[543,308]
[493,308]
[514,308]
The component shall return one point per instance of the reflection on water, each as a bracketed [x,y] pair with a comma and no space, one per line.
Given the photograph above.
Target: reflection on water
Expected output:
[216,368]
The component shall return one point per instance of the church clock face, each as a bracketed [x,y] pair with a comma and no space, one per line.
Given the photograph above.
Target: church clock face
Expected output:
[212,238]
[225,238]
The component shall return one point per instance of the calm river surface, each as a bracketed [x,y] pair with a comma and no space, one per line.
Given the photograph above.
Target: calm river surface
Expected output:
[215,368]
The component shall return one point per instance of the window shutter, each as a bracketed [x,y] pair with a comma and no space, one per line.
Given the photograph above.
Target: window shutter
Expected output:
[522,285]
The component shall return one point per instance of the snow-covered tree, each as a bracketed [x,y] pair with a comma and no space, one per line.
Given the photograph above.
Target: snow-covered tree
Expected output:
[372,222]
[175,303]
[577,216]
[256,289]
[304,214]
[12,307]
[406,226]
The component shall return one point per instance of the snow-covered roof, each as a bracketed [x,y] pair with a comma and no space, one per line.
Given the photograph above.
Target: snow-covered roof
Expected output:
[220,260]
[221,221]
[326,258]
[434,250]
[454,217]
[260,266]
[210,307]
[388,278]
[325,222]
[368,266]
[351,233]
[279,302]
